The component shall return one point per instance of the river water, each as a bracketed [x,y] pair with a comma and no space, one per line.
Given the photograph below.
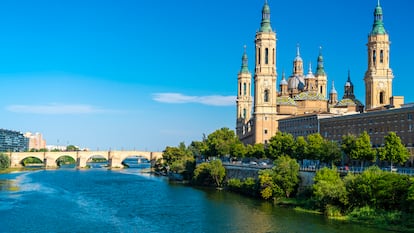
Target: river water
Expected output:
[100,200]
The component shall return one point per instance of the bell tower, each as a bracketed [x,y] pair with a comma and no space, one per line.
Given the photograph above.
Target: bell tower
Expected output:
[265,111]
[244,96]
[378,77]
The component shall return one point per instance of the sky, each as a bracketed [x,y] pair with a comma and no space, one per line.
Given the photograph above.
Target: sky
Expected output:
[143,75]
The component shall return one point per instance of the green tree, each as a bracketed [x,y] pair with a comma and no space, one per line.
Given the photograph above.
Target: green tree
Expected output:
[299,148]
[329,189]
[220,142]
[280,144]
[72,148]
[378,189]
[393,151]
[348,144]
[331,152]
[363,150]
[315,146]
[239,150]
[256,151]
[4,161]
[217,172]
[267,186]
[286,174]
[211,173]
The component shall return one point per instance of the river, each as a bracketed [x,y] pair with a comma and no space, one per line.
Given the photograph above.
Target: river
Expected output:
[100,200]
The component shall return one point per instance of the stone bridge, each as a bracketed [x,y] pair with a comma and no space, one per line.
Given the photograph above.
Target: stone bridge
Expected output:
[49,159]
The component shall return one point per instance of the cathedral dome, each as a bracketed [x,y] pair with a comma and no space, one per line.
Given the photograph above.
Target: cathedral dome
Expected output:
[296,82]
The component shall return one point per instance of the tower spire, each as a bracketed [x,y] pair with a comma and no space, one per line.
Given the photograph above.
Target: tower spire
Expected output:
[378,27]
[265,25]
[319,69]
[333,90]
[244,67]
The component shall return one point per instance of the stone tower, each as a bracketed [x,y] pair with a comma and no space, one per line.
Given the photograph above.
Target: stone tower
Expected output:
[265,111]
[378,77]
[244,96]
[321,77]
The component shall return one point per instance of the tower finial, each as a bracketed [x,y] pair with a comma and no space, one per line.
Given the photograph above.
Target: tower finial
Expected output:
[244,67]
[265,25]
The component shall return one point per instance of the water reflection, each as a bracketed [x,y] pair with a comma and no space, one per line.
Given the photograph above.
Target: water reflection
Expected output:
[8,185]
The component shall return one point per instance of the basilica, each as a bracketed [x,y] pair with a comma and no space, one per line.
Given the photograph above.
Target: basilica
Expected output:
[304,91]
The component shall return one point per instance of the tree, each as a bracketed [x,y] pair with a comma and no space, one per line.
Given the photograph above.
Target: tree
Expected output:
[267,186]
[239,150]
[280,144]
[4,161]
[217,171]
[363,150]
[393,151]
[315,146]
[211,173]
[331,153]
[220,142]
[348,144]
[72,148]
[257,151]
[329,189]
[286,174]
[299,148]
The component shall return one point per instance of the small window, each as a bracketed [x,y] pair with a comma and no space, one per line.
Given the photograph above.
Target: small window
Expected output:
[382,56]
[266,96]
[374,56]
[409,116]
[265,131]
[266,56]
[273,57]
[259,57]
[381,97]
[244,89]
[244,113]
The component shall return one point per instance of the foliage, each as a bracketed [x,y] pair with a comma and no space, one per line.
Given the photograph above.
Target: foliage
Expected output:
[31,160]
[286,172]
[378,189]
[315,146]
[299,148]
[221,142]
[4,161]
[281,180]
[280,144]
[362,149]
[329,189]
[393,151]
[331,152]
[348,144]
[179,160]
[72,148]
[211,173]
[65,160]
[256,151]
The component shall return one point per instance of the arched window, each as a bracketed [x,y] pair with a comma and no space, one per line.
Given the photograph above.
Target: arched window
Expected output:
[259,57]
[266,56]
[266,96]
[240,89]
[244,113]
[381,56]
[273,57]
[381,97]
[374,56]
[321,90]
[244,89]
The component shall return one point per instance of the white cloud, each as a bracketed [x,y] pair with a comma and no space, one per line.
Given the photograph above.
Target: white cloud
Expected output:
[177,98]
[55,109]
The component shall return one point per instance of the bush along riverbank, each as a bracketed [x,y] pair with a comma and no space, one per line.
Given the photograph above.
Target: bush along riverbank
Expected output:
[375,197]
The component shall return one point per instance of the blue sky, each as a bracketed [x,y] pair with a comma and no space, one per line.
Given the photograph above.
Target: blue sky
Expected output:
[131,74]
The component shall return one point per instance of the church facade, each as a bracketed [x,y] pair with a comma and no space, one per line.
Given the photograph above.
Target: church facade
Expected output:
[306,93]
